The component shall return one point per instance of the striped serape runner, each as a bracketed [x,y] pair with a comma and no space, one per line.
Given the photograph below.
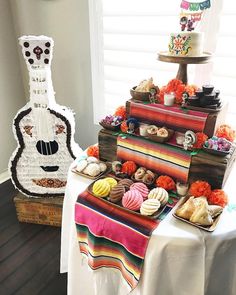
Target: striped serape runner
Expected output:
[171,117]
[112,237]
[161,158]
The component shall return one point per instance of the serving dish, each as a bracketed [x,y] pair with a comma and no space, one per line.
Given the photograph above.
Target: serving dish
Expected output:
[109,126]
[73,169]
[161,139]
[216,152]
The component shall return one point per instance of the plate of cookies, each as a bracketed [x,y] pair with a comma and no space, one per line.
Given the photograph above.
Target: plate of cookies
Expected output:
[133,197]
[159,134]
[197,212]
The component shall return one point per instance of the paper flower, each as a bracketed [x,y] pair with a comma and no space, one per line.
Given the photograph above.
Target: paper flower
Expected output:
[93,151]
[226,132]
[178,88]
[218,197]
[121,111]
[200,140]
[166,182]
[128,167]
[200,188]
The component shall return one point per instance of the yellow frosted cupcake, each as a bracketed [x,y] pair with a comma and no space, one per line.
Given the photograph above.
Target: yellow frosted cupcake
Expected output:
[112,182]
[101,188]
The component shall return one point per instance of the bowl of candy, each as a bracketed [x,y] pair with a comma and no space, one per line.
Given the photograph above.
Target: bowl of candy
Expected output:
[218,146]
[111,122]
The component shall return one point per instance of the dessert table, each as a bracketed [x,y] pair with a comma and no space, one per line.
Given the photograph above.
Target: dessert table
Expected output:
[180,259]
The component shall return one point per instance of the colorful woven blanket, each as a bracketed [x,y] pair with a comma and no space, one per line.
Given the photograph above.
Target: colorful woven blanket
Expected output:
[161,158]
[112,237]
[173,117]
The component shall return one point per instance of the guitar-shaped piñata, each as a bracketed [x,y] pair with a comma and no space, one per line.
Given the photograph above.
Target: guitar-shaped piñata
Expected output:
[43,129]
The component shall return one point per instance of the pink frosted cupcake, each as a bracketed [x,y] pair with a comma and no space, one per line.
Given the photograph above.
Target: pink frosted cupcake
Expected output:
[142,188]
[132,200]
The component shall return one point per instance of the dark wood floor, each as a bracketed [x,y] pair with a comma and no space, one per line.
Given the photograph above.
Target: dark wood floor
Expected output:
[29,253]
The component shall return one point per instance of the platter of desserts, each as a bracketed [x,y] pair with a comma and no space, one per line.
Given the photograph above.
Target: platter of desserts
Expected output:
[159,134]
[132,197]
[90,167]
[197,212]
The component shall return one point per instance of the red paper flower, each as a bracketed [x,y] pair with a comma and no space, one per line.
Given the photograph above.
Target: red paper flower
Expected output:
[124,127]
[121,111]
[200,188]
[129,167]
[218,197]
[178,88]
[93,151]
[226,132]
[201,138]
[166,182]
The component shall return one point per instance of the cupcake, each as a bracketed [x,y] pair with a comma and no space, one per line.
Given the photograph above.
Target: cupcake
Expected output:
[150,206]
[126,182]
[132,200]
[101,188]
[142,188]
[116,193]
[112,182]
[159,194]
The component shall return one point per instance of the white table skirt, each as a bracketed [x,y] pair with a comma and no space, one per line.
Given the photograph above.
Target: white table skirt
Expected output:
[180,259]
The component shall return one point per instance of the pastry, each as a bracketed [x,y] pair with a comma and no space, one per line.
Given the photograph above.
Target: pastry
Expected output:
[101,188]
[92,169]
[160,194]
[201,215]
[214,210]
[112,182]
[152,129]
[162,132]
[132,200]
[142,188]
[92,160]
[139,174]
[81,165]
[116,193]
[103,167]
[187,209]
[148,177]
[150,206]
[145,85]
[126,182]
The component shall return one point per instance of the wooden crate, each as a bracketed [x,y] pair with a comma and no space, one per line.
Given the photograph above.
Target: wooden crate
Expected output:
[204,166]
[47,211]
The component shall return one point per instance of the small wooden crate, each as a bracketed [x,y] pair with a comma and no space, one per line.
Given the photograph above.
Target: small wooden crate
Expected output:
[47,211]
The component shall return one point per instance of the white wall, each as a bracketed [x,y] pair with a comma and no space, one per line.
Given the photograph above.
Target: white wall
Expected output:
[67,22]
[12,95]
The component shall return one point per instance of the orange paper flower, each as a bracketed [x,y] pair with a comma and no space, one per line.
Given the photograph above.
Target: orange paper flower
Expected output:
[93,151]
[200,188]
[218,197]
[124,127]
[226,132]
[201,138]
[129,167]
[166,182]
[121,111]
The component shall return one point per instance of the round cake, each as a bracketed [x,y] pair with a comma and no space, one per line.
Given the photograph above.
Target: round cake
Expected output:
[186,44]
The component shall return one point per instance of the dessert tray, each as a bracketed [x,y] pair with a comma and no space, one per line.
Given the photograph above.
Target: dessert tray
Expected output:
[119,205]
[210,228]
[161,139]
[73,169]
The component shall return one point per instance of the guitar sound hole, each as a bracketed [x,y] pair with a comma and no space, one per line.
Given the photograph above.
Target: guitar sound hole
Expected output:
[47,148]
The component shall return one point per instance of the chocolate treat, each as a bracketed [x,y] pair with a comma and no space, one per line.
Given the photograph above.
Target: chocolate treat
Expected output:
[116,193]
[207,89]
[126,182]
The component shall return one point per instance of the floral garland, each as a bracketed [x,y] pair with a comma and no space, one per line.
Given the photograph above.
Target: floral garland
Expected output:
[178,88]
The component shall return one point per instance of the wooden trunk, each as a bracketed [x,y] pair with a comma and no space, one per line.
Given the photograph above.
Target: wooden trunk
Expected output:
[204,166]
[46,211]
[214,120]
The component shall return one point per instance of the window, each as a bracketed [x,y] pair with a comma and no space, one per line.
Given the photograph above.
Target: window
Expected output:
[126,36]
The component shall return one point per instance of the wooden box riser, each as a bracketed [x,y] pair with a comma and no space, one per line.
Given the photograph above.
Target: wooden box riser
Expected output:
[39,210]
[204,166]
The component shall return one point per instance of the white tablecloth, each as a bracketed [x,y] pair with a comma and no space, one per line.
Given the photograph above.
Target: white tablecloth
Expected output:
[180,259]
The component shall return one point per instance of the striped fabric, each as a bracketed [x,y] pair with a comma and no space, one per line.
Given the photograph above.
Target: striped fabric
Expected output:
[112,237]
[171,117]
[161,158]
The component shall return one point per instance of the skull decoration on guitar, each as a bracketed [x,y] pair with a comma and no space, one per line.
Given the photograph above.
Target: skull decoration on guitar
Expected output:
[43,129]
